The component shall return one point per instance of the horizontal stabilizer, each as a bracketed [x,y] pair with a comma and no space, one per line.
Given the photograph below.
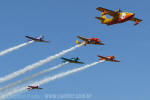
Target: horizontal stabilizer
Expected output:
[99,18]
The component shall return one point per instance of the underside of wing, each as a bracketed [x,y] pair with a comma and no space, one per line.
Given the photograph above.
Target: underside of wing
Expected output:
[82,38]
[109,12]
[39,88]
[100,43]
[116,60]
[45,41]
[81,62]
[136,19]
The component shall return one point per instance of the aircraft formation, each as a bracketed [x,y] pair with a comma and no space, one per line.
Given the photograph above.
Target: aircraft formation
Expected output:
[117,17]
[85,41]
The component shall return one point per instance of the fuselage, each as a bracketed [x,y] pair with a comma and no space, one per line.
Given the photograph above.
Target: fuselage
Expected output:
[93,41]
[120,18]
[109,58]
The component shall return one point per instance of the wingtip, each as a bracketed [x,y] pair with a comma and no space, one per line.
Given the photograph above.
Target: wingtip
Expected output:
[102,43]
[48,41]
[98,18]
[98,8]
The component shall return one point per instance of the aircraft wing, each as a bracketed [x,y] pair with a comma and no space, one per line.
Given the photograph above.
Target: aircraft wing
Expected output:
[39,88]
[79,62]
[100,43]
[30,86]
[136,20]
[82,38]
[45,41]
[66,59]
[101,56]
[109,12]
[31,38]
[116,60]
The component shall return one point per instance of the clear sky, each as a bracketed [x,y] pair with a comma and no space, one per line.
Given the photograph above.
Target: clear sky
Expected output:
[60,21]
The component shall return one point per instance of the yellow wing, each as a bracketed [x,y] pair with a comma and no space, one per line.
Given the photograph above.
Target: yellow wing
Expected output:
[109,12]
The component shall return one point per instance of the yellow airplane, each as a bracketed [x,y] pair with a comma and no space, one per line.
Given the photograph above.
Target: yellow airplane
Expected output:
[117,16]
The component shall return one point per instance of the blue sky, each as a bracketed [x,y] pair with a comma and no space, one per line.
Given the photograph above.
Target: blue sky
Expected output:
[60,22]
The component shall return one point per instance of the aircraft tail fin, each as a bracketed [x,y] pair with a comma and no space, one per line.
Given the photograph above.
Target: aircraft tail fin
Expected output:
[102,18]
[78,42]
[116,61]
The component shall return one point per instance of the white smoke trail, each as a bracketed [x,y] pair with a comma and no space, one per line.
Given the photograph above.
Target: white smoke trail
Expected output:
[14,48]
[32,76]
[48,79]
[37,64]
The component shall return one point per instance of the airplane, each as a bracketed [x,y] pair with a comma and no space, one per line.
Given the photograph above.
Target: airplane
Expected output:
[72,60]
[33,87]
[89,41]
[117,17]
[38,39]
[108,58]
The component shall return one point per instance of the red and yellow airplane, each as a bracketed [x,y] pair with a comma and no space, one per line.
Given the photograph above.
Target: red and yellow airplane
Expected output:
[33,87]
[108,58]
[89,41]
[117,17]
